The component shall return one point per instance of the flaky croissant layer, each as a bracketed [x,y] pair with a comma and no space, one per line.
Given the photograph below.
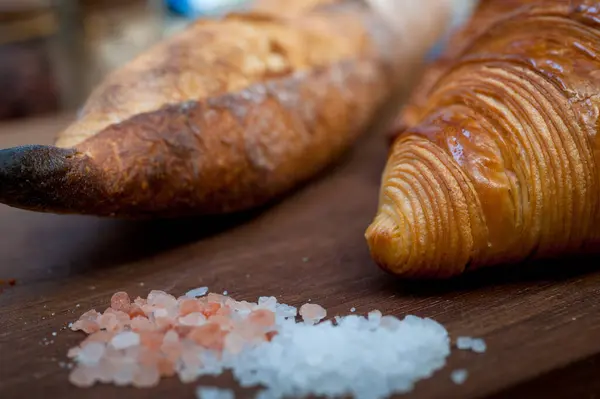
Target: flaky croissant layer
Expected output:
[496,160]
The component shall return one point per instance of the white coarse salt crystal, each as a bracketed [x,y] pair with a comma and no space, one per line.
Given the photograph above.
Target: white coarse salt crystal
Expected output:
[284,310]
[478,345]
[125,339]
[390,322]
[353,309]
[214,393]
[375,316]
[464,343]
[197,292]
[459,376]
[225,292]
[267,302]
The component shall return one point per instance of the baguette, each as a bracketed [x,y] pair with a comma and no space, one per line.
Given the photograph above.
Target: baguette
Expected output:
[496,157]
[223,117]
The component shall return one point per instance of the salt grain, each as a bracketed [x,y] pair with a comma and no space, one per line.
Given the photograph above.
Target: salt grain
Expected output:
[125,340]
[225,292]
[214,393]
[459,376]
[90,354]
[479,345]
[353,310]
[464,343]
[197,292]
[312,313]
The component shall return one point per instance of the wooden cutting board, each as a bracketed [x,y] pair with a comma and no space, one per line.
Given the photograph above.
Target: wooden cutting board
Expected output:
[541,322]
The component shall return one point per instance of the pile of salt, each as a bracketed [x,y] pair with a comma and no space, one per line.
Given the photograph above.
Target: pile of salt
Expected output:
[138,342]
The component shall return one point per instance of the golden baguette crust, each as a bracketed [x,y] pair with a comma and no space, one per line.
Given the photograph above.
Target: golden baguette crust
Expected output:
[214,57]
[497,155]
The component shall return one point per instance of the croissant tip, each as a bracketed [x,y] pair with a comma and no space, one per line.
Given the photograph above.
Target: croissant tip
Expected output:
[392,251]
[384,244]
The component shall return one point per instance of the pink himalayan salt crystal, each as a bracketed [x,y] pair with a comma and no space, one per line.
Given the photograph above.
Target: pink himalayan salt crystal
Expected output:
[147,357]
[151,340]
[209,336]
[262,317]
[234,343]
[171,346]
[140,323]
[250,331]
[224,311]
[109,322]
[139,301]
[242,307]
[187,306]
[120,301]
[103,371]
[164,319]
[135,310]
[88,322]
[193,319]
[166,368]
[146,377]
[82,377]
[124,374]
[122,318]
[125,340]
[312,313]
[163,336]
[171,337]
[216,298]
[161,299]
[211,309]
[224,322]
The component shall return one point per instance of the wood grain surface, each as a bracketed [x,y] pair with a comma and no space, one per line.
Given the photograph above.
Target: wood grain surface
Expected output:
[541,321]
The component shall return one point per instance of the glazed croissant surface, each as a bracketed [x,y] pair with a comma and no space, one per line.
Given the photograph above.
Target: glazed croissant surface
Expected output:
[226,115]
[496,156]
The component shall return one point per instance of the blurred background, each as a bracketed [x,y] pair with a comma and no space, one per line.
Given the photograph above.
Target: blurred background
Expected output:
[53,52]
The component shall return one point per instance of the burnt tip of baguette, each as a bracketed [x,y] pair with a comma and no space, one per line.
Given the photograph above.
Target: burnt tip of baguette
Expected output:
[46,178]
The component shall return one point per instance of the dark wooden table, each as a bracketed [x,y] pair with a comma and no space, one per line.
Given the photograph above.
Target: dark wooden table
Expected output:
[541,322]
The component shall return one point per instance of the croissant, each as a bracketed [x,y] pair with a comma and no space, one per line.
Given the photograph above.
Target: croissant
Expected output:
[496,156]
[225,116]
